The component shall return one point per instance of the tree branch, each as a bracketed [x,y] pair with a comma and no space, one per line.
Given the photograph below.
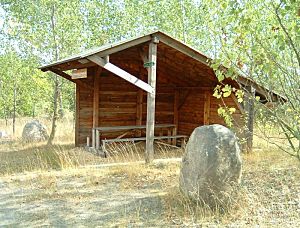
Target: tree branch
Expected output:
[287,34]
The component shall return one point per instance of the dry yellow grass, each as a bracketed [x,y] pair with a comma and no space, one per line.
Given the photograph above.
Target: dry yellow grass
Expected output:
[269,195]
[64,186]
[18,156]
[65,128]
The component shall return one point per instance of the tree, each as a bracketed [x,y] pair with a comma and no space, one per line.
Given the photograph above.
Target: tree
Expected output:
[260,40]
[16,87]
[48,29]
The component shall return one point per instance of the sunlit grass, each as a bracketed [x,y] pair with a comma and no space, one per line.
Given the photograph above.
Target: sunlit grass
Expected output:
[268,195]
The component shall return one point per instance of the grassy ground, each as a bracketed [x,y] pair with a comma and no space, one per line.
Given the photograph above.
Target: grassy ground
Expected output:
[62,186]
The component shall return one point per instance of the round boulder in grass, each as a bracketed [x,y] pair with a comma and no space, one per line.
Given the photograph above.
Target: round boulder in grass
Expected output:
[211,166]
[34,131]
[3,134]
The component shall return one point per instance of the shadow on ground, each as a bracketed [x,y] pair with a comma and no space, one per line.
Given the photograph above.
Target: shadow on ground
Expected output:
[80,204]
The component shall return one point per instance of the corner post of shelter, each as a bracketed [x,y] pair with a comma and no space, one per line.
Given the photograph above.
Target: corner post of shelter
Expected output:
[249,108]
[207,101]
[95,136]
[149,154]
[139,110]
[175,116]
[77,122]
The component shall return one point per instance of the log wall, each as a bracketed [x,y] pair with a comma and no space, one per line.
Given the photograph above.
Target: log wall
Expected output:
[118,105]
[191,113]
[121,103]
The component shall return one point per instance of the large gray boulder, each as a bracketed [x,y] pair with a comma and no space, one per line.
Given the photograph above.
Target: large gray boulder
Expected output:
[211,166]
[34,131]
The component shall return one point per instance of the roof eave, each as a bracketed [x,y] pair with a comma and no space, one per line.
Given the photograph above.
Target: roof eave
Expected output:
[103,50]
[164,38]
[261,89]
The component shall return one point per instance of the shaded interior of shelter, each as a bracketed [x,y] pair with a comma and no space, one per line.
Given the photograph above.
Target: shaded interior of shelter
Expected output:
[184,88]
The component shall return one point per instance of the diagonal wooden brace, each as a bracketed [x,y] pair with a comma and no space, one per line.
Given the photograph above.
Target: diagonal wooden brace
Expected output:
[121,73]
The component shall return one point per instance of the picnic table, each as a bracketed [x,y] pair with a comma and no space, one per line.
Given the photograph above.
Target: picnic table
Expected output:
[98,131]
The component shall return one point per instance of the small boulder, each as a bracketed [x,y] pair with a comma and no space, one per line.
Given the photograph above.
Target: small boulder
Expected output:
[34,131]
[211,166]
[3,135]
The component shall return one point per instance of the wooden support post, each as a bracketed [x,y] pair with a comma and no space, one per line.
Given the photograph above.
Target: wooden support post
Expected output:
[175,119]
[149,154]
[139,103]
[161,132]
[96,104]
[169,134]
[249,108]
[77,115]
[207,98]
[139,110]
[174,133]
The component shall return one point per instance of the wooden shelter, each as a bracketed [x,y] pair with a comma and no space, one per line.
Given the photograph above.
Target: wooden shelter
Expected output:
[154,82]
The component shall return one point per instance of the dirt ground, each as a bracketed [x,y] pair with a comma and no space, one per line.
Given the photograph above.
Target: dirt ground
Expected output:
[135,195]
[101,197]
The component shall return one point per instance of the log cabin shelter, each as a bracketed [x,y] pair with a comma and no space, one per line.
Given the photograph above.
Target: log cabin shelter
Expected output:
[152,87]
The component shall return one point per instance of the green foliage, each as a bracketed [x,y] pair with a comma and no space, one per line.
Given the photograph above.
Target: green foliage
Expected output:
[226,91]
[31,89]
[260,40]
[239,94]
[226,113]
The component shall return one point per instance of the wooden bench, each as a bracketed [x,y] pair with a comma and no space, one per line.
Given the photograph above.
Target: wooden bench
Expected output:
[105,141]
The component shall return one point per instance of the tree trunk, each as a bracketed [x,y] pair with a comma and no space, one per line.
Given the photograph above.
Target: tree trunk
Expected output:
[14,108]
[249,107]
[61,110]
[33,111]
[6,117]
[33,106]
[56,94]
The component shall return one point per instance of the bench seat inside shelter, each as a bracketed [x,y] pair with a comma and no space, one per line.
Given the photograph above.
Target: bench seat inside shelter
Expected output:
[99,141]
[182,137]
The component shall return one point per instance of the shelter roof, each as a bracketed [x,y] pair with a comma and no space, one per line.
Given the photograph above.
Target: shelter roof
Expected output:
[80,60]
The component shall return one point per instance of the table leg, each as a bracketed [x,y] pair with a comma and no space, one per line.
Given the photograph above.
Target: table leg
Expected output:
[93,138]
[97,140]
[88,141]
